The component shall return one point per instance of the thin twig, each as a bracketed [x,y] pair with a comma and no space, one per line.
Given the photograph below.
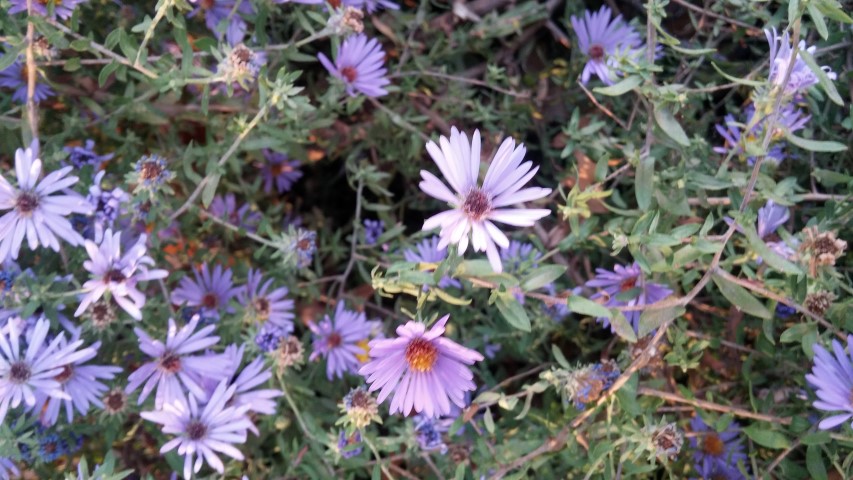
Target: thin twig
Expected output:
[752,29]
[736,411]
[32,110]
[356,224]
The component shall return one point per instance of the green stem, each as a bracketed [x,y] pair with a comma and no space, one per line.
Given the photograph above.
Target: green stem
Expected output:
[149,32]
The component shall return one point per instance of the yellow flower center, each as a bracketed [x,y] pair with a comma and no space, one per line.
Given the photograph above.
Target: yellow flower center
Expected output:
[421,355]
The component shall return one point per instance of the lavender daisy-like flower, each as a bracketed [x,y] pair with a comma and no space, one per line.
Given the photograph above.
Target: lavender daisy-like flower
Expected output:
[15,76]
[79,156]
[243,216]
[82,383]
[425,371]
[34,371]
[304,244]
[373,229]
[280,171]
[832,378]
[427,251]
[626,286]
[371,6]
[246,382]
[267,306]
[770,217]
[475,207]
[712,448]
[8,469]
[118,274]
[360,65]
[174,367]
[269,337]
[603,41]
[790,119]
[201,431]
[338,339]
[211,292]
[107,205]
[802,77]
[217,11]
[35,213]
[61,8]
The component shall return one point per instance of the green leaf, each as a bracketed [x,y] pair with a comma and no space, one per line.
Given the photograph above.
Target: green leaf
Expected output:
[817,18]
[620,88]
[831,178]
[460,472]
[584,306]
[488,421]
[833,10]
[824,80]
[793,10]
[542,276]
[377,472]
[107,71]
[768,327]
[769,256]
[693,51]
[816,438]
[740,81]
[645,182]
[651,320]
[814,462]
[210,190]
[795,333]
[741,298]
[513,312]
[815,145]
[670,126]
[561,359]
[80,45]
[766,438]
[622,327]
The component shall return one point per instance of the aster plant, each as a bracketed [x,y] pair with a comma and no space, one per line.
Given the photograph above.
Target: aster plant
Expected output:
[603,39]
[474,206]
[626,286]
[211,291]
[267,305]
[339,339]
[360,66]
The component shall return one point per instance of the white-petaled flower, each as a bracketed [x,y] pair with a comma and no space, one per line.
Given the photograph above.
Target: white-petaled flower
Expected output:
[475,207]
[34,212]
[117,274]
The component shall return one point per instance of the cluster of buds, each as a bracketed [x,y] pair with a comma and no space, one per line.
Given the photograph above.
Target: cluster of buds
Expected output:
[359,409]
[819,302]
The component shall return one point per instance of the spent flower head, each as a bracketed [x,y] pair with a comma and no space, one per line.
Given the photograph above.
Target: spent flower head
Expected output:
[359,409]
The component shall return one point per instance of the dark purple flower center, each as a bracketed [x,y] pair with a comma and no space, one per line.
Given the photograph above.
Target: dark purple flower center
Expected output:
[170,362]
[115,276]
[115,400]
[628,284]
[334,340]
[361,399]
[262,307]
[713,445]
[150,170]
[209,300]
[596,51]
[20,372]
[476,204]
[242,54]
[350,73]
[196,430]
[27,202]
[421,355]
[65,374]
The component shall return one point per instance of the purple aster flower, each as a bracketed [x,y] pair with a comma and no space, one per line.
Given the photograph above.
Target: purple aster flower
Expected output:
[216,11]
[350,446]
[490,349]
[279,170]
[428,433]
[718,471]
[790,119]
[360,65]
[118,274]
[173,367]
[35,213]
[152,172]
[210,292]
[373,229]
[201,431]
[475,207]
[371,6]
[626,286]
[604,41]
[338,339]
[107,205]
[82,383]
[781,52]
[86,155]
[8,469]
[266,306]
[832,378]
[770,218]
[784,311]
[243,217]
[428,252]
[61,8]
[269,337]
[15,76]
[425,371]
[304,244]
[712,448]
[25,374]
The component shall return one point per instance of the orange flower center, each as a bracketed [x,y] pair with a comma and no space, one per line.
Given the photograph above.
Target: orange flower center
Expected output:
[421,355]
[627,284]
[713,445]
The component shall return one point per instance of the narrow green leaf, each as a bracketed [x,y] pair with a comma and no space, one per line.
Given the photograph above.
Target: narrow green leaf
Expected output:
[815,145]
[793,11]
[584,306]
[622,327]
[795,333]
[741,298]
[542,276]
[108,70]
[768,327]
[825,81]
[645,182]
[558,355]
[833,10]
[693,51]
[460,472]
[670,126]
[210,190]
[651,320]
[817,18]
[767,255]
[488,421]
[513,312]
[814,461]
[740,81]
[766,438]
[377,472]
[620,88]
